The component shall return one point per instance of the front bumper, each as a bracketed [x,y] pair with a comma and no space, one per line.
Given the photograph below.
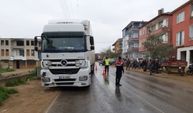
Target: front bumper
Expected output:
[80,79]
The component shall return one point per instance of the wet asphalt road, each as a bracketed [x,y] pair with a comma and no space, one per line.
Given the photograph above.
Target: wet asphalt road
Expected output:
[138,94]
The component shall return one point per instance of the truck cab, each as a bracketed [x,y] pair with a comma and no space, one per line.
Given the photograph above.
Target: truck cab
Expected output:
[67,54]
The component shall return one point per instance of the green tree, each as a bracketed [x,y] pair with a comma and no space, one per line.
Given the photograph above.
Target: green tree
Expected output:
[155,48]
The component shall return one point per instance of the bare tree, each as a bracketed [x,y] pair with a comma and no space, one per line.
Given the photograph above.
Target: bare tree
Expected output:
[155,48]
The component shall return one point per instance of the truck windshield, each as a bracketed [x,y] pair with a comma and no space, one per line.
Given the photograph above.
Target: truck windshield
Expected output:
[63,44]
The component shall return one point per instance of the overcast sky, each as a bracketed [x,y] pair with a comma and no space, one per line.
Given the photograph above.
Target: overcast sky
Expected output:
[26,18]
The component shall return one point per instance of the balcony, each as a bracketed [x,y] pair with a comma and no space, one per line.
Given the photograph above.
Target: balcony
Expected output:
[133,38]
[132,49]
[19,58]
[159,31]
[17,47]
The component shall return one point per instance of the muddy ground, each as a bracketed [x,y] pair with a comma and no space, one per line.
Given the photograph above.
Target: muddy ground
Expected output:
[31,98]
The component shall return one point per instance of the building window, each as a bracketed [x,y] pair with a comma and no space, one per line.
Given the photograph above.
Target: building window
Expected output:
[32,43]
[27,42]
[6,42]
[21,52]
[164,38]
[152,28]
[20,43]
[32,53]
[165,23]
[135,35]
[160,24]
[2,52]
[7,52]
[183,55]
[28,54]
[135,45]
[191,32]
[2,42]
[180,38]
[191,11]
[180,17]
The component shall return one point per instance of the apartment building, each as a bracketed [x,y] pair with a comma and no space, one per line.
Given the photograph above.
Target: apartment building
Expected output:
[143,36]
[18,53]
[182,31]
[160,26]
[130,34]
[118,46]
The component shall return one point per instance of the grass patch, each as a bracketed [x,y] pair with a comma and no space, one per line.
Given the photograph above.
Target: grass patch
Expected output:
[3,70]
[5,92]
[15,82]
[20,81]
[32,76]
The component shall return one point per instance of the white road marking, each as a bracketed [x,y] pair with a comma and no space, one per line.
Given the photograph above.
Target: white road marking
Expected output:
[53,102]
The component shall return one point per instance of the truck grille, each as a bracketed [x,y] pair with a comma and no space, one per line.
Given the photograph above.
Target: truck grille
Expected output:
[57,62]
[64,71]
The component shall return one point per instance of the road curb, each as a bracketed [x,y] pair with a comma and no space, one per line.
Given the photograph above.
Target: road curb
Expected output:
[13,76]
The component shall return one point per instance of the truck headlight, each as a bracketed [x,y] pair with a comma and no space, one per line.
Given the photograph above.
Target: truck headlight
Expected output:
[45,79]
[46,64]
[82,63]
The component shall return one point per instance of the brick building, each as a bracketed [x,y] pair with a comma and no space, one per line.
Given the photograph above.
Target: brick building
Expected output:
[160,26]
[182,31]
[17,53]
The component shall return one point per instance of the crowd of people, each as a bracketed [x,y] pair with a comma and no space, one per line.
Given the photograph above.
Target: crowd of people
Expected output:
[153,65]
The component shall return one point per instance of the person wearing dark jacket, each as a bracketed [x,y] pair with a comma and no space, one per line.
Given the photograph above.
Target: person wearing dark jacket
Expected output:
[119,70]
[151,66]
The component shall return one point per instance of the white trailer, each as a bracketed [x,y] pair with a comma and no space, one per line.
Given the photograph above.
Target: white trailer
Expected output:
[67,54]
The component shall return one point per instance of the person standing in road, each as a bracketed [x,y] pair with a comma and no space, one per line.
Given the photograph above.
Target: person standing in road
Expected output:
[106,63]
[119,70]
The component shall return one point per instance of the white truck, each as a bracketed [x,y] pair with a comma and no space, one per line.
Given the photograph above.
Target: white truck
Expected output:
[67,54]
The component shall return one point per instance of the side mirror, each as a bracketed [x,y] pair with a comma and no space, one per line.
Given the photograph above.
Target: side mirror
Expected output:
[35,40]
[92,43]
[92,47]
[91,40]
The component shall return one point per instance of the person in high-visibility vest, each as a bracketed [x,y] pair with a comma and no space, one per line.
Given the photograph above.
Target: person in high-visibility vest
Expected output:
[119,70]
[106,63]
